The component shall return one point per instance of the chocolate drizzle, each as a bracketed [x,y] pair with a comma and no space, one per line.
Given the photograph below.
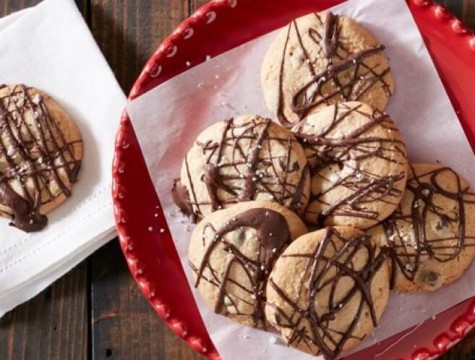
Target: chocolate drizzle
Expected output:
[313,315]
[325,151]
[34,154]
[24,215]
[272,234]
[249,162]
[330,36]
[347,75]
[182,199]
[428,231]
[311,94]
[249,188]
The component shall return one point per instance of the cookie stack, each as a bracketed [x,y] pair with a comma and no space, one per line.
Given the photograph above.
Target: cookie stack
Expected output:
[336,164]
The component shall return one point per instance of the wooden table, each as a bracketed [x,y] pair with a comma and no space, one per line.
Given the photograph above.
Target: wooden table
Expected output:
[96,311]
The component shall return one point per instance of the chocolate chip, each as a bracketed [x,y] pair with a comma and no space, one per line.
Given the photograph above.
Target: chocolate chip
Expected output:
[430,277]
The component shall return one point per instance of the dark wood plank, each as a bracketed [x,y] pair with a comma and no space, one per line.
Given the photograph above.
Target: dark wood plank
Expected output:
[468,13]
[465,350]
[128,32]
[9,6]
[124,326]
[195,4]
[454,6]
[463,9]
[52,326]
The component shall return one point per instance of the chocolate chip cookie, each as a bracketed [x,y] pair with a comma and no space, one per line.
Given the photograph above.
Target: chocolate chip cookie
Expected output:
[431,235]
[232,252]
[241,159]
[328,290]
[358,164]
[40,156]
[320,59]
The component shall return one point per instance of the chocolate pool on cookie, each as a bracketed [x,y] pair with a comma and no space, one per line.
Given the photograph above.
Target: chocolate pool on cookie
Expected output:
[232,252]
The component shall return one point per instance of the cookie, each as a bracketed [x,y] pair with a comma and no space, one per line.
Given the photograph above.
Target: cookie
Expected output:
[328,290]
[431,236]
[232,252]
[358,164]
[320,59]
[241,159]
[40,156]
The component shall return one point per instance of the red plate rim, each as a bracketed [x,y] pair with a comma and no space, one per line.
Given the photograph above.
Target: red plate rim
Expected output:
[163,65]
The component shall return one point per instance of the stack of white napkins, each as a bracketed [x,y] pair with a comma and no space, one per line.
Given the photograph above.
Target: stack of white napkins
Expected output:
[50,47]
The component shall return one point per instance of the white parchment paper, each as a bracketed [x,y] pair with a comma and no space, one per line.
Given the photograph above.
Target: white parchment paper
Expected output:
[168,118]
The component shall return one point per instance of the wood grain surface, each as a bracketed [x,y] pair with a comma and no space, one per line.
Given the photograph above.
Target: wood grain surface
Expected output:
[54,325]
[96,311]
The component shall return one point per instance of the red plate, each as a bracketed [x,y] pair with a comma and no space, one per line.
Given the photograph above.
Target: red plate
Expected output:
[213,29]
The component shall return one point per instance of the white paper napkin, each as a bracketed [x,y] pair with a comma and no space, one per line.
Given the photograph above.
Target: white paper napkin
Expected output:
[50,47]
